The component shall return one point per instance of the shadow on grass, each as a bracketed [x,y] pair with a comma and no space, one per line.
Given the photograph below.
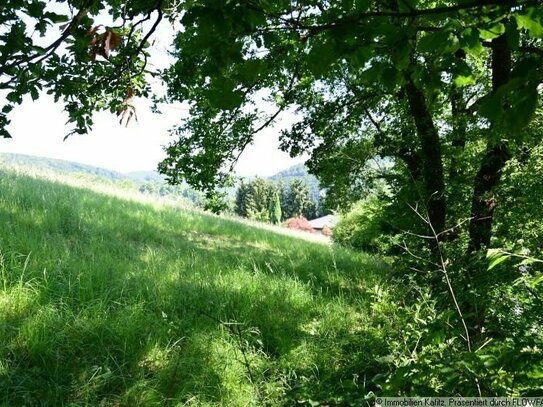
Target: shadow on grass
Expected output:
[126,305]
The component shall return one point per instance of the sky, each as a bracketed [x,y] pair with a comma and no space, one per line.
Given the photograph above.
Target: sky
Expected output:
[38,128]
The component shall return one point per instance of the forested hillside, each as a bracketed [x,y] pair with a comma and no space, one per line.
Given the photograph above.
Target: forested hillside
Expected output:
[153,183]
[62,166]
[300,172]
[145,182]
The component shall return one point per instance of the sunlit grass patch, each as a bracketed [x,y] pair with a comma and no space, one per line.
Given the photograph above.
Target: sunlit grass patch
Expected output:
[114,302]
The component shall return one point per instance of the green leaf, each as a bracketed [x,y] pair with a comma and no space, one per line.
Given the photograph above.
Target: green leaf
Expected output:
[489,361]
[390,77]
[250,71]
[513,37]
[522,109]
[493,253]
[470,41]
[491,108]
[35,9]
[360,56]
[253,18]
[436,41]
[362,5]
[14,97]
[461,80]
[496,256]
[537,280]
[492,32]
[497,261]
[56,18]
[221,95]
[525,65]
[4,133]
[34,94]
[321,56]
[7,109]
[531,23]
[373,73]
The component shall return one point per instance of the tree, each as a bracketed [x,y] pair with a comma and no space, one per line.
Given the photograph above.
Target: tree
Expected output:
[90,66]
[422,83]
[271,201]
[370,78]
[258,200]
[275,213]
[241,199]
[254,200]
[296,200]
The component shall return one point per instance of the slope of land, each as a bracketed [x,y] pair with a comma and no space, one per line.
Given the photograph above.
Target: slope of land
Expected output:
[146,176]
[107,301]
[62,166]
[149,183]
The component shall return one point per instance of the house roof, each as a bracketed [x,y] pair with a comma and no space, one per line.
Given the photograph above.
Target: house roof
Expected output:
[319,223]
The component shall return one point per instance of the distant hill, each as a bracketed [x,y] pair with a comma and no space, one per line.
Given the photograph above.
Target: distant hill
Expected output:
[64,166]
[148,181]
[144,176]
[299,171]
[56,165]
[296,171]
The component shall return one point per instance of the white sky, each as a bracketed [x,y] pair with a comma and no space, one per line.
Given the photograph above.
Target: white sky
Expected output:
[38,128]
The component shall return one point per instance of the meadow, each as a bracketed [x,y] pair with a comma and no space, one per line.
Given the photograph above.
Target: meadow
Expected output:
[108,301]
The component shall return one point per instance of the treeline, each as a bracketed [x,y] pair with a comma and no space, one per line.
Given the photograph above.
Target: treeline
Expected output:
[274,202]
[164,190]
[300,172]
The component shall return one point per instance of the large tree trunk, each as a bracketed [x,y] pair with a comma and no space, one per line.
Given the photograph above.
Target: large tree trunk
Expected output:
[412,161]
[432,165]
[496,156]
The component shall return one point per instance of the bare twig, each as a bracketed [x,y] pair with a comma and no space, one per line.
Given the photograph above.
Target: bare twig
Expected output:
[443,268]
[270,119]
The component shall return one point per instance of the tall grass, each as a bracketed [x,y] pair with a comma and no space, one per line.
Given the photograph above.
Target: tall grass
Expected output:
[108,301]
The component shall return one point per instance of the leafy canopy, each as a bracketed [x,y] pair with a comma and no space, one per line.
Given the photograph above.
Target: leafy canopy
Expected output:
[342,64]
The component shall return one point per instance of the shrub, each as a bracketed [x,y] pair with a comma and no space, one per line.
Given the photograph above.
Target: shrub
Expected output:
[299,223]
[363,226]
[326,231]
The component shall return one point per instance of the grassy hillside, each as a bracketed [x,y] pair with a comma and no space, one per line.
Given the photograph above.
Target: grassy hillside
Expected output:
[111,302]
[149,182]
[144,182]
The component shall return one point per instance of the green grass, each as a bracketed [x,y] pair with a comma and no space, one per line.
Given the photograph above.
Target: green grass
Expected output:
[105,301]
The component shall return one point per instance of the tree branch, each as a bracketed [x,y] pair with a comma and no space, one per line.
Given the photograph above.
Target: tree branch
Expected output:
[358,18]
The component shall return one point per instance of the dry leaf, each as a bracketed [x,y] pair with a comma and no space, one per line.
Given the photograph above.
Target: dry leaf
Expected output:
[102,44]
[112,40]
[127,111]
[92,31]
